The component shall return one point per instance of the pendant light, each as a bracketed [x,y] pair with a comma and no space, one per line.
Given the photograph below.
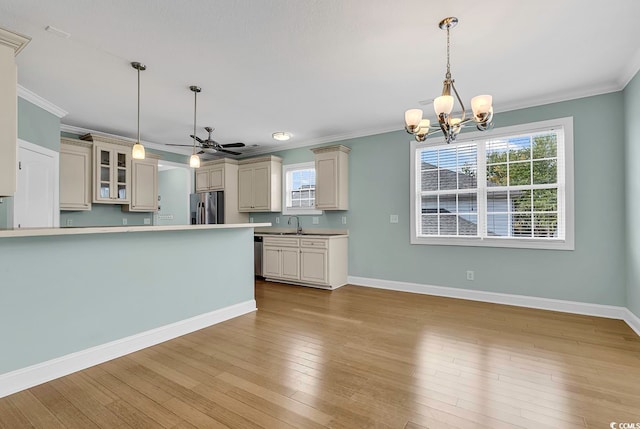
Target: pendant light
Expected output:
[194,161]
[138,150]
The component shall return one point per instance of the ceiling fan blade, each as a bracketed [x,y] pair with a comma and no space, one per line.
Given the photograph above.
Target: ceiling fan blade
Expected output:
[229,151]
[201,152]
[185,145]
[233,145]
[198,139]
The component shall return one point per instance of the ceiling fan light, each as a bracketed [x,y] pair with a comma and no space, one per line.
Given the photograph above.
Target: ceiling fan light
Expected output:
[137,152]
[194,161]
[443,105]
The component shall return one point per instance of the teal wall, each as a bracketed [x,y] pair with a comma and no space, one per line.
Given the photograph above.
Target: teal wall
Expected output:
[87,290]
[632,191]
[103,215]
[37,126]
[379,186]
[173,188]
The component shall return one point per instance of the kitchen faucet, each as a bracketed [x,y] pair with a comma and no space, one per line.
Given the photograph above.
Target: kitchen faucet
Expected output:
[299,230]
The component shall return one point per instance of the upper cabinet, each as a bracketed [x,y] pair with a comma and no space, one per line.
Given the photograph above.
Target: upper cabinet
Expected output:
[10,45]
[144,185]
[112,173]
[332,177]
[260,184]
[75,174]
[222,175]
[210,176]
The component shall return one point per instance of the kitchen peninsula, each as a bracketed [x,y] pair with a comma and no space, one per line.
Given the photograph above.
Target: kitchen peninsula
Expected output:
[74,297]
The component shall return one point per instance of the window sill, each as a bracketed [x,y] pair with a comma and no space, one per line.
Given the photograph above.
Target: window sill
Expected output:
[512,243]
[298,212]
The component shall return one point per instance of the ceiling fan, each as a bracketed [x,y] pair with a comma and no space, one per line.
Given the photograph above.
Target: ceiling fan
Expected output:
[210,146]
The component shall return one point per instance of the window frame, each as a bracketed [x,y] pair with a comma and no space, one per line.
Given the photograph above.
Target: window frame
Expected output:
[565,189]
[289,211]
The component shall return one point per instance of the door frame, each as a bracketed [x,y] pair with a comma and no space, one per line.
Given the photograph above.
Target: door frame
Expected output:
[190,185]
[23,144]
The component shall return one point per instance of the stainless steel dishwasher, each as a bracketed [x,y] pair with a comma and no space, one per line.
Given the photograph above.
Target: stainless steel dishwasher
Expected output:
[257,255]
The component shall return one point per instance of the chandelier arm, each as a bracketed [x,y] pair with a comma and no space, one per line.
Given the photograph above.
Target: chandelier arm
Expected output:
[464,112]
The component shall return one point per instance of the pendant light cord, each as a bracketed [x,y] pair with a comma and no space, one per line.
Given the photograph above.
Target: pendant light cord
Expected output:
[448,76]
[138,105]
[195,109]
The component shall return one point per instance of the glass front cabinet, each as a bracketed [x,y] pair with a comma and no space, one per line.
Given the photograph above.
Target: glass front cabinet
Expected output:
[112,169]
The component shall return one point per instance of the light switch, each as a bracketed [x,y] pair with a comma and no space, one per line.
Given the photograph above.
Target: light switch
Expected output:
[124,220]
[277,219]
[344,220]
[316,220]
[393,219]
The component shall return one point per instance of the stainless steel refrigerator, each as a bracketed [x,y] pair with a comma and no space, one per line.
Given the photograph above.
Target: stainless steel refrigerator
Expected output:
[207,207]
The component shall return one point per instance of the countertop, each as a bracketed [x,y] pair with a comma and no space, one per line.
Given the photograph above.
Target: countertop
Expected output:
[306,233]
[39,232]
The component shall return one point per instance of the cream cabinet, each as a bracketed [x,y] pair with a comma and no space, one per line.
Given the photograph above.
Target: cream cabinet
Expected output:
[281,259]
[144,185]
[308,261]
[210,178]
[222,175]
[10,45]
[332,177]
[111,170]
[75,175]
[260,184]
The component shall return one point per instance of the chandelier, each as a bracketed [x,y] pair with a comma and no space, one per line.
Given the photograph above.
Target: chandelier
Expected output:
[449,125]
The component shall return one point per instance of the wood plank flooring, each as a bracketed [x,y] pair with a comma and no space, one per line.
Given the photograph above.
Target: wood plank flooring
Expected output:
[358,358]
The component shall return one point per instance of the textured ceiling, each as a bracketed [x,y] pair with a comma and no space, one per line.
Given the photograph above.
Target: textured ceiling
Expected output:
[320,69]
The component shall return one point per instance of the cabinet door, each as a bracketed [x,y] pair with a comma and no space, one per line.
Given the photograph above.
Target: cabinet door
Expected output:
[314,265]
[8,121]
[216,179]
[271,262]
[75,179]
[290,263]
[261,188]
[245,189]
[144,180]
[122,175]
[102,163]
[202,180]
[327,183]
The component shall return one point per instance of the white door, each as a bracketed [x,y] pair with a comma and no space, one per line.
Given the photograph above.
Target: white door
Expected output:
[35,204]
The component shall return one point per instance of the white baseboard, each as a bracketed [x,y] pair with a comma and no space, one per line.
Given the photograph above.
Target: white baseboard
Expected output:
[633,321]
[24,378]
[608,311]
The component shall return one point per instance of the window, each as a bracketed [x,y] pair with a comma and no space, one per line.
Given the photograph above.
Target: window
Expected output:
[299,189]
[511,187]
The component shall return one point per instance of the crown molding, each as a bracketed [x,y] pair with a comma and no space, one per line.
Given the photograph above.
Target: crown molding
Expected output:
[79,131]
[35,99]
[15,41]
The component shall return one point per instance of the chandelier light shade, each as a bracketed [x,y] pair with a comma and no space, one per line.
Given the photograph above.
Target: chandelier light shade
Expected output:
[137,152]
[194,160]
[450,126]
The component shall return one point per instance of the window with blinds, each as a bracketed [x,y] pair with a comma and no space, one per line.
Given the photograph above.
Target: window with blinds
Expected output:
[510,189]
[299,189]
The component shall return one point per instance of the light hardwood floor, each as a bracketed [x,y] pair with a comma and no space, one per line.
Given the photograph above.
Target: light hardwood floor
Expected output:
[356,358]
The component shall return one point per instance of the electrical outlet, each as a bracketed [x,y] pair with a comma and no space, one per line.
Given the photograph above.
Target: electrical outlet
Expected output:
[69,222]
[147,221]
[278,219]
[470,275]
[250,220]
[124,220]
[315,220]
[393,219]
[344,220]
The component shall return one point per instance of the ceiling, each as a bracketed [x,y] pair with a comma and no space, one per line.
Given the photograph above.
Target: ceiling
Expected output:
[322,70]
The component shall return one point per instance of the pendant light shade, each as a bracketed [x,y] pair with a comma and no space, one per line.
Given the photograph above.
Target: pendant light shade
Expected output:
[138,150]
[194,160]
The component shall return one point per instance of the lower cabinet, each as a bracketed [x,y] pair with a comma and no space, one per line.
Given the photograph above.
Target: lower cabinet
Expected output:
[319,262]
